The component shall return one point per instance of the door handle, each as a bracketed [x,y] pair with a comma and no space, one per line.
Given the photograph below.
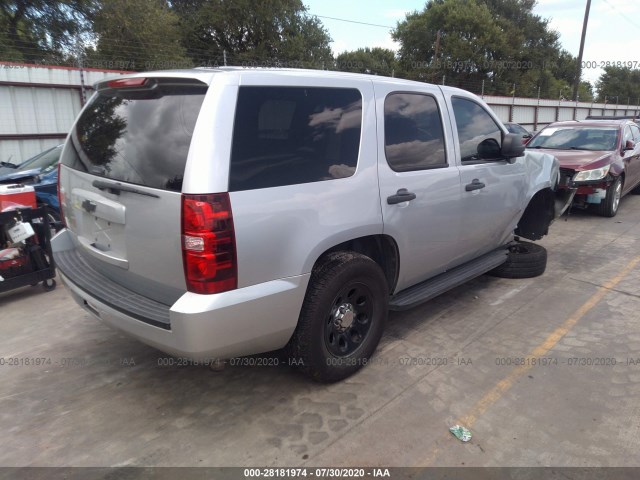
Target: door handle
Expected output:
[474,185]
[402,195]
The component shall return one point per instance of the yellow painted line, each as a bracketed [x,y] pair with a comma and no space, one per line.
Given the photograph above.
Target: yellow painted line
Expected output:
[500,388]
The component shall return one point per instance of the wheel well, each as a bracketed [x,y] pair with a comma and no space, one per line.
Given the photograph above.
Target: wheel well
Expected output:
[535,221]
[382,249]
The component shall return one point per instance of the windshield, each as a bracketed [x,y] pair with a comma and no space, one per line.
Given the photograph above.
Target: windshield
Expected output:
[576,138]
[46,161]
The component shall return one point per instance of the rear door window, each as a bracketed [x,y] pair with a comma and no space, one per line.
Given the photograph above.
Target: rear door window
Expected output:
[294,135]
[413,134]
[138,135]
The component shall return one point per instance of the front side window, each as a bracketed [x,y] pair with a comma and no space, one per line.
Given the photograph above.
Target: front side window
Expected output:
[479,135]
[636,133]
[413,135]
[628,135]
[294,135]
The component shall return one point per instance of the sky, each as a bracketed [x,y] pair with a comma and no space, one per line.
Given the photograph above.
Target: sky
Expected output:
[612,33]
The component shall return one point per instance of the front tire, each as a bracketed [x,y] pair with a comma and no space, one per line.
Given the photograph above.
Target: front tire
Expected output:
[609,206]
[342,318]
[524,260]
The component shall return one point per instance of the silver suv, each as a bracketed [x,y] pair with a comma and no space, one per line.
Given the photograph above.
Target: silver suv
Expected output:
[213,213]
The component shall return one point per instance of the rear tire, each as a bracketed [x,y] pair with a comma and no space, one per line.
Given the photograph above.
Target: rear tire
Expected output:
[609,206]
[524,260]
[342,318]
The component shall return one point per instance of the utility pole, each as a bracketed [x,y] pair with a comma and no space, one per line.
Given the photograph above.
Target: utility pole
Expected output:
[584,34]
[437,46]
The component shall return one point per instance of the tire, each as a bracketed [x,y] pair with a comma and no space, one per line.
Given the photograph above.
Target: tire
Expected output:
[49,284]
[609,206]
[352,287]
[524,260]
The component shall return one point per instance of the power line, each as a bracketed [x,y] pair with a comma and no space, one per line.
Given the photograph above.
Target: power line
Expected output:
[354,21]
[622,15]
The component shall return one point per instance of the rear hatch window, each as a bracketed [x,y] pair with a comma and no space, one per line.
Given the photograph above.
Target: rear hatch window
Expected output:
[138,133]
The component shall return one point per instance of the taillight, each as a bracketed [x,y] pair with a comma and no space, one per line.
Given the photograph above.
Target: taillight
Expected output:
[208,243]
[60,197]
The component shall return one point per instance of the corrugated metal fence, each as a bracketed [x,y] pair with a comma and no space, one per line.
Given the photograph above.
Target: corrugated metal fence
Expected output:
[534,114]
[39,103]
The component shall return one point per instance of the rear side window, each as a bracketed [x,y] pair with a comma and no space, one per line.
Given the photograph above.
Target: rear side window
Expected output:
[138,135]
[292,135]
[476,130]
[413,135]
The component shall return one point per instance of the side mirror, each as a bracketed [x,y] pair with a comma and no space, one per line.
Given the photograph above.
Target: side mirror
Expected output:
[629,145]
[489,149]
[512,146]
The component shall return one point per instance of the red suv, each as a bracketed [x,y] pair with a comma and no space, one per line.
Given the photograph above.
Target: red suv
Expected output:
[599,160]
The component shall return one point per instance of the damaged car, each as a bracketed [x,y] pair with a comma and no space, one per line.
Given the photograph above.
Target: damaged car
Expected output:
[269,209]
[599,160]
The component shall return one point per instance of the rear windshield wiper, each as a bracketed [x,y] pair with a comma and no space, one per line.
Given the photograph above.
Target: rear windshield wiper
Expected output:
[116,188]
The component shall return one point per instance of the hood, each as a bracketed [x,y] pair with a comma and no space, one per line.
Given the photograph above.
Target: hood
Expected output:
[17,176]
[577,159]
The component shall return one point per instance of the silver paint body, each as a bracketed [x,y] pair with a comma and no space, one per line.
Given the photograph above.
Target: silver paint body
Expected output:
[281,232]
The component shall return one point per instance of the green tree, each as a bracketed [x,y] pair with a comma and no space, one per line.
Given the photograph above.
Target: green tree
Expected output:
[500,46]
[619,85]
[465,34]
[42,30]
[137,35]
[377,61]
[262,33]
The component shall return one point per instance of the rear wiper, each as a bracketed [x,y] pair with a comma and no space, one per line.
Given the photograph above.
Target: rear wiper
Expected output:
[116,188]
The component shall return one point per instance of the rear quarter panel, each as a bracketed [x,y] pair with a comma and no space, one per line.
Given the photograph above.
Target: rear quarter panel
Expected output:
[281,232]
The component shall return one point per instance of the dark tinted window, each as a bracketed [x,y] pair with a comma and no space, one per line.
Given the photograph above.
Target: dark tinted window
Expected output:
[476,130]
[413,136]
[291,135]
[140,135]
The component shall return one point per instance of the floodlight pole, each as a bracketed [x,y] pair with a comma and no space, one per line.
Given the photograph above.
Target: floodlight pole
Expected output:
[584,34]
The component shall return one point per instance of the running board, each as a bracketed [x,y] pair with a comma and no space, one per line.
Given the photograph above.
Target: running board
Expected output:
[433,287]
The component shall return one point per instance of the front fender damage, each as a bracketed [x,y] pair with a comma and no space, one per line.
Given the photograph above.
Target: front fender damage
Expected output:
[543,205]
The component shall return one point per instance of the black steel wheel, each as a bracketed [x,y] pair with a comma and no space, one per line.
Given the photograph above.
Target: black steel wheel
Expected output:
[342,317]
[349,319]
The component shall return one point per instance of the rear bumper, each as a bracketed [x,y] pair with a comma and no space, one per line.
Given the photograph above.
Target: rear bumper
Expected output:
[245,321]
